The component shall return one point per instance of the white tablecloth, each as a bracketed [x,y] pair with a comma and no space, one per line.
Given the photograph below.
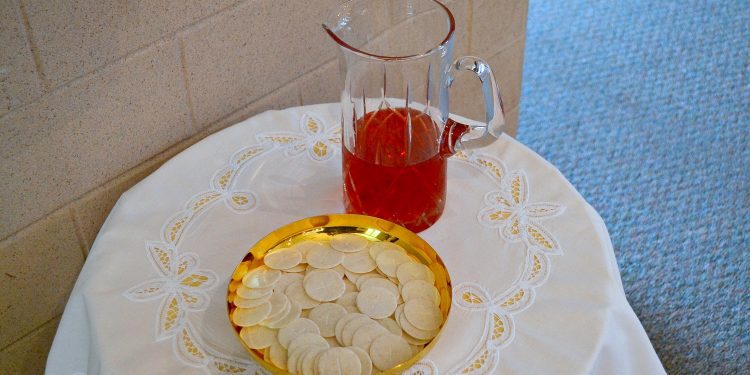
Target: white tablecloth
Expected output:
[536,285]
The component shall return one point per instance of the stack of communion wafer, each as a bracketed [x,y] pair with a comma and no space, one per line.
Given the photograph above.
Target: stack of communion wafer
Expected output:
[340,305]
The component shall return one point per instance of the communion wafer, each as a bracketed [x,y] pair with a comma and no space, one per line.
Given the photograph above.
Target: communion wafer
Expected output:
[279,305]
[381,283]
[389,260]
[261,277]
[298,268]
[349,242]
[258,337]
[295,363]
[248,317]
[423,314]
[388,351]
[304,247]
[293,314]
[364,360]
[418,334]
[278,355]
[307,363]
[253,293]
[282,259]
[367,276]
[391,326]
[324,257]
[420,289]
[358,262]
[409,271]
[295,328]
[295,357]
[414,341]
[292,358]
[279,315]
[285,280]
[349,301]
[338,330]
[376,302]
[296,292]
[365,335]
[248,303]
[377,247]
[323,285]
[347,334]
[338,361]
[306,339]
[326,315]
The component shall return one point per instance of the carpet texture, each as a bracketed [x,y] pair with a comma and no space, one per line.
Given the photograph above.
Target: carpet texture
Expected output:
[645,107]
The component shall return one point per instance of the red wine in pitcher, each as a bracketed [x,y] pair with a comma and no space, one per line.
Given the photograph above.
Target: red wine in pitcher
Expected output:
[395,170]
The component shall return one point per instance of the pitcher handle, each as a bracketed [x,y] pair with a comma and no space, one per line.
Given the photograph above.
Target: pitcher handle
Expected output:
[466,136]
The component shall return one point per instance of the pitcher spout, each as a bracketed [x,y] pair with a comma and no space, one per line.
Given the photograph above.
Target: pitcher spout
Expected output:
[337,20]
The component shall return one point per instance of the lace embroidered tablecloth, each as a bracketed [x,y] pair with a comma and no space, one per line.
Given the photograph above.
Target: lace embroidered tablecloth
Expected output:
[536,285]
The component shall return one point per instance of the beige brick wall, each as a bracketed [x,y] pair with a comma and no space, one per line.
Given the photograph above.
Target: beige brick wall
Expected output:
[97,94]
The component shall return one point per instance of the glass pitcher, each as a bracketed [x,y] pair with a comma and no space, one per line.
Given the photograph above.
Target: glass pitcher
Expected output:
[396,69]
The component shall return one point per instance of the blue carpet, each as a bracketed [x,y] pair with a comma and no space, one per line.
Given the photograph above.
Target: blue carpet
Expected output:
[645,107]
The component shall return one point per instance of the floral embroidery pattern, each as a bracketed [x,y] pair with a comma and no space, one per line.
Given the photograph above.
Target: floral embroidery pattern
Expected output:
[517,219]
[181,285]
[193,352]
[498,328]
[321,144]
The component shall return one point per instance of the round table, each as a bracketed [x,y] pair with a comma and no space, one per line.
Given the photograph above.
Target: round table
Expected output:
[535,281]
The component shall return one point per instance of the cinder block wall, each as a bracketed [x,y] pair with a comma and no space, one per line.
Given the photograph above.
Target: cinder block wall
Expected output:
[96,94]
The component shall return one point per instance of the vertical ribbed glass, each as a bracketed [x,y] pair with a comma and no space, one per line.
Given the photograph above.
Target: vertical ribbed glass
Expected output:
[395,56]
[395,59]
